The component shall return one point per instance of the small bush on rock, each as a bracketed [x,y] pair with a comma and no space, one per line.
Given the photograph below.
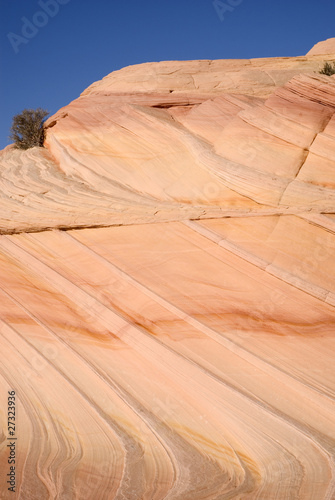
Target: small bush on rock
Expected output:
[328,69]
[27,129]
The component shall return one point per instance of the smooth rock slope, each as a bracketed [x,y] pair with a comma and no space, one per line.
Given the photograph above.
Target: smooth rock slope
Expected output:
[325,47]
[167,288]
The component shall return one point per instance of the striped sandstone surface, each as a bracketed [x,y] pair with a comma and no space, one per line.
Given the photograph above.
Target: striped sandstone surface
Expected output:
[167,311]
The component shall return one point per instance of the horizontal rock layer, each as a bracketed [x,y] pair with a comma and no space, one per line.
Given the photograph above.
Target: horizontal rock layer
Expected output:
[257,77]
[119,159]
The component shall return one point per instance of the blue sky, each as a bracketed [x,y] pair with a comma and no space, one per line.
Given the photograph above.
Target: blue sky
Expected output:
[80,41]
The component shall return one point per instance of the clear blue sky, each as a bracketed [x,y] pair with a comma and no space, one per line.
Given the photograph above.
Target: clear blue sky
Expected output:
[87,39]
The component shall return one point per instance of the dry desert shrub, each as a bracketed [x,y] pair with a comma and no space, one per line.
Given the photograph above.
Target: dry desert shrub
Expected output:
[27,129]
[328,69]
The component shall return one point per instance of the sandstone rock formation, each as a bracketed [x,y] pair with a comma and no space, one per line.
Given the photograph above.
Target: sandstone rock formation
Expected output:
[325,47]
[167,309]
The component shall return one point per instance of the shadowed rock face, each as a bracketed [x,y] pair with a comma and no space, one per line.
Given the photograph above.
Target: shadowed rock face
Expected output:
[180,344]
